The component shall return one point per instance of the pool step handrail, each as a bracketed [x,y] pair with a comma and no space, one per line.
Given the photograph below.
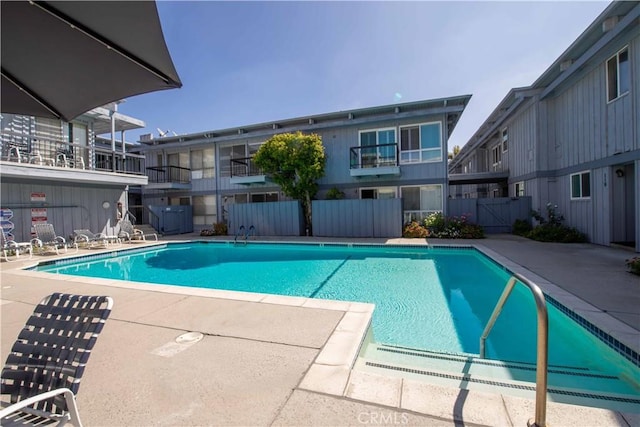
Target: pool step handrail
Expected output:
[238,233]
[542,361]
[250,230]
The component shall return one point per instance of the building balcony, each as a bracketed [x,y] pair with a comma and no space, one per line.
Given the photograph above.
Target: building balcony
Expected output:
[374,160]
[245,172]
[40,158]
[168,178]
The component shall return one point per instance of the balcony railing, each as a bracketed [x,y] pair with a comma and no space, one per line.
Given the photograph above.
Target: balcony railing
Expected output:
[107,160]
[44,151]
[243,167]
[373,156]
[168,174]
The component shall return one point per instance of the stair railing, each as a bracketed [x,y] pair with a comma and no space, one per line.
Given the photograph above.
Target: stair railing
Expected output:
[238,233]
[251,230]
[542,344]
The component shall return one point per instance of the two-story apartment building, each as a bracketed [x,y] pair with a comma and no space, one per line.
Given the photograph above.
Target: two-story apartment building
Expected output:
[64,173]
[392,151]
[572,138]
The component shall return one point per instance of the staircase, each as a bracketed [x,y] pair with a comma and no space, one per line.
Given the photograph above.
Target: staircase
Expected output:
[579,385]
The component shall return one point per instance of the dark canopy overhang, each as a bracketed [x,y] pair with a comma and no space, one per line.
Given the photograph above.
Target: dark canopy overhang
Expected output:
[60,59]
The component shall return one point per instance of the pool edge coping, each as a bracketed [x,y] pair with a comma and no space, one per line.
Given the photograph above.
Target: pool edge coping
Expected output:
[332,371]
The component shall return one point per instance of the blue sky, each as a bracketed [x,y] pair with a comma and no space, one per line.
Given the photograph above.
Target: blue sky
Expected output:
[252,62]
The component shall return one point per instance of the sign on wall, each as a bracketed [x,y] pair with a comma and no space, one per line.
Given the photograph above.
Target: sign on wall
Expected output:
[38,197]
[38,215]
[6,224]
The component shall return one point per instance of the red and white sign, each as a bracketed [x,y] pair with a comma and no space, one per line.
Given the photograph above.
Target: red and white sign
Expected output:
[38,197]
[38,215]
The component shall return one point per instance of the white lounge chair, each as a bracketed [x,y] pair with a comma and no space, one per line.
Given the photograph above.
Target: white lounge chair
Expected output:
[131,234]
[89,239]
[44,368]
[47,239]
[11,247]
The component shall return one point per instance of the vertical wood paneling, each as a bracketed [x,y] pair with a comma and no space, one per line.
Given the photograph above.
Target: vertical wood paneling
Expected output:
[69,207]
[357,218]
[268,219]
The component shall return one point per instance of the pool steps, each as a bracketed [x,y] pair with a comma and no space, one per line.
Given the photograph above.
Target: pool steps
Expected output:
[510,378]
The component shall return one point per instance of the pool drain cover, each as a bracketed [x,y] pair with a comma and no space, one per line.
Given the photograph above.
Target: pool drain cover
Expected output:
[189,338]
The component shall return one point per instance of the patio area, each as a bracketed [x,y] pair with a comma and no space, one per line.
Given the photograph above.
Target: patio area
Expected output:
[270,360]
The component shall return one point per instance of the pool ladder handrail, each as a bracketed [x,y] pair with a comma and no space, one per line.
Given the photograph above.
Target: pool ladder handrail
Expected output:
[249,231]
[542,345]
[235,239]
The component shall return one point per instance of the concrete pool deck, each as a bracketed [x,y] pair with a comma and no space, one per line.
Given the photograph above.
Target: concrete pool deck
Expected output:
[268,360]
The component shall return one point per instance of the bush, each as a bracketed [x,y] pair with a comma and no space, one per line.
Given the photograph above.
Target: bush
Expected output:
[633,265]
[552,230]
[220,229]
[414,230]
[452,227]
[334,194]
[521,227]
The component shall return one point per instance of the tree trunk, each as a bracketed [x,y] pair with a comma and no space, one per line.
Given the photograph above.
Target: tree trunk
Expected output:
[306,205]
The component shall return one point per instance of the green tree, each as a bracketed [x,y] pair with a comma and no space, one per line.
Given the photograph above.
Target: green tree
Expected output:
[456,150]
[294,161]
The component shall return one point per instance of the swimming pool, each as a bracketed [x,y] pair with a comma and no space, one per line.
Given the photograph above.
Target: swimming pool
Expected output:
[426,298]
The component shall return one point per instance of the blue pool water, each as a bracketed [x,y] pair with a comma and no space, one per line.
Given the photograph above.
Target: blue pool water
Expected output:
[428,298]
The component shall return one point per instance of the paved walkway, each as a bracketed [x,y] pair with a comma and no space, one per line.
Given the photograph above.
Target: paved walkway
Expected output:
[259,355]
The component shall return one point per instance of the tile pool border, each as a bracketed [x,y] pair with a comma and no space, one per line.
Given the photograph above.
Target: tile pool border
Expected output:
[616,335]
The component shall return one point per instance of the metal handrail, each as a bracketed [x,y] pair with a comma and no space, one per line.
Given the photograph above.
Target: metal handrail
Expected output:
[542,346]
[235,239]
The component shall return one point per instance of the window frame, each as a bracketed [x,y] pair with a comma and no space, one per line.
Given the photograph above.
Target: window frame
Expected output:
[504,135]
[581,174]
[203,213]
[407,214]
[377,192]
[496,156]
[420,150]
[518,189]
[380,152]
[609,78]
[200,171]
[266,195]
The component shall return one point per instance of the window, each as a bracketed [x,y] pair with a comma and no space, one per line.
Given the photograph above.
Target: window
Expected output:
[519,189]
[421,143]
[264,197]
[180,159]
[379,154]
[581,185]
[618,75]
[203,163]
[230,152]
[204,210]
[179,201]
[378,193]
[505,139]
[496,156]
[419,202]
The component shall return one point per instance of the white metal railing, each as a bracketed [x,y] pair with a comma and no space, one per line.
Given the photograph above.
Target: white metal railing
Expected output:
[542,345]
[56,152]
